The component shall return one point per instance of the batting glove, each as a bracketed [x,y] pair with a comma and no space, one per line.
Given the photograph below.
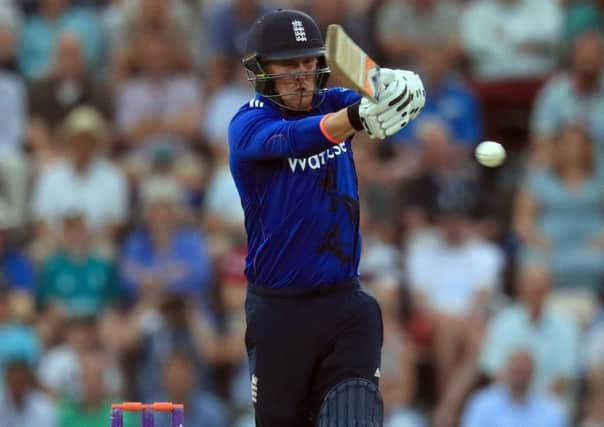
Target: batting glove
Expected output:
[401,100]
[405,107]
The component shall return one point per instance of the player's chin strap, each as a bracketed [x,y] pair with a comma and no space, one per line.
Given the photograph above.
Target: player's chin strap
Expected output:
[354,402]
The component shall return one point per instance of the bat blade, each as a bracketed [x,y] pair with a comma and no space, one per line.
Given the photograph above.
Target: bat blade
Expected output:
[351,64]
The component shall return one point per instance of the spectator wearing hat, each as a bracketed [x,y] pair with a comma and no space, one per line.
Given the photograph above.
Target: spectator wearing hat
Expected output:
[165,256]
[84,181]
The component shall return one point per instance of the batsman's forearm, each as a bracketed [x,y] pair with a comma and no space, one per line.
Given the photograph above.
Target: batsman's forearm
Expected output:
[338,125]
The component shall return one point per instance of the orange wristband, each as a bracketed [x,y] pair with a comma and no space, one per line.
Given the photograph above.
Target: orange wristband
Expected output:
[324,130]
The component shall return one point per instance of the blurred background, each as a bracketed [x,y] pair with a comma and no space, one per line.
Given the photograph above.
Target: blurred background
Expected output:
[121,233]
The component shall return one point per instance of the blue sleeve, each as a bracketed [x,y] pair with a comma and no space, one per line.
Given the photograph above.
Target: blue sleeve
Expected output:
[255,134]
[347,97]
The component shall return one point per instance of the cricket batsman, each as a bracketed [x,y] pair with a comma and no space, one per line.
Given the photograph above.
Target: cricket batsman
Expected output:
[313,337]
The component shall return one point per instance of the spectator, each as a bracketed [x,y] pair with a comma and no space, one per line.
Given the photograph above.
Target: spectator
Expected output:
[17,341]
[16,270]
[227,25]
[504,40]
[560,216]
[68,85]
[442,171]
[232,288]
[83,181]
[452,296]
[593,348]
[447,100]
[159,103]
[157,327]
[398,377]
[14,109]
[594,413]
[14,166]
[76,277]
[404,28]
[552,339]
[61,367]
[166,255]
[124,20]
[573,97]
[180,384]
[42,30]
[91,406]
[381,256]
[511,402]
[356,25]
[222,207]
[222,105]
[22,403]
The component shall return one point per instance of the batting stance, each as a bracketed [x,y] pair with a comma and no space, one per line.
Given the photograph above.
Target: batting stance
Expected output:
[313,336]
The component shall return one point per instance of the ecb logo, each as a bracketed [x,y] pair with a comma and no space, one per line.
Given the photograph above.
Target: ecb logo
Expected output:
[299,31]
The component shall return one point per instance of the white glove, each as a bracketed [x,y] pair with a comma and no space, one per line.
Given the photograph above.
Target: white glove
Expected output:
[401,100]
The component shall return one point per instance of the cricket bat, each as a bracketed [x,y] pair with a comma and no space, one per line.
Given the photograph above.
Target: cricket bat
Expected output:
[351,64]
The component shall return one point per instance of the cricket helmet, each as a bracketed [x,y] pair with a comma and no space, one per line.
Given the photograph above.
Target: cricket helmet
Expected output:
[281,35]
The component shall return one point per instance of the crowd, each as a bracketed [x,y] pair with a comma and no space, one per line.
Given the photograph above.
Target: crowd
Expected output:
[121,233]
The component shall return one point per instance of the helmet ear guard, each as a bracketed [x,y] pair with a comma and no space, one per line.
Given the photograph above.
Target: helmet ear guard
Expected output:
[259,79]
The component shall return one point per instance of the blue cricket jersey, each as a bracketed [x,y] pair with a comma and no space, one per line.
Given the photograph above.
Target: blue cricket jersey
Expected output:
[299,194]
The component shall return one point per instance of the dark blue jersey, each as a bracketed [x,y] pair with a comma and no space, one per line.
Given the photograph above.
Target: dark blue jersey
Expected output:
[299,194]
